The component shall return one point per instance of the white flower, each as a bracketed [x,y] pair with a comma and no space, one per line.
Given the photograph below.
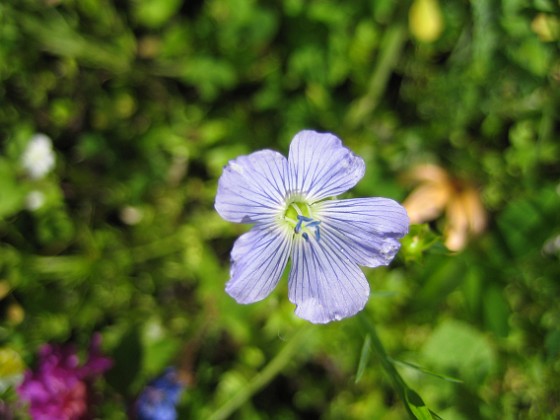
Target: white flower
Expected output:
[38,158]
[34,200]
[131,215]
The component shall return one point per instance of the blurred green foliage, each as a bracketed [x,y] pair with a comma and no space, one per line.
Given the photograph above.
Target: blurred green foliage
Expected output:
[146,101]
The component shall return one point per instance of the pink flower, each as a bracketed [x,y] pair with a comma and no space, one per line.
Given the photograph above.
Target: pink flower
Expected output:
[58,388]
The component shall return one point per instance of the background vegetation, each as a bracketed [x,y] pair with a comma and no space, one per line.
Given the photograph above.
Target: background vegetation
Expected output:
[145,101]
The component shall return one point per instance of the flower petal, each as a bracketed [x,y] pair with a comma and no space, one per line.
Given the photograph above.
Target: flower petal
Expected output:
[258,259]
[252,188]
[320,166]
[427,201]
[456,231]
[367,229]
[324,283]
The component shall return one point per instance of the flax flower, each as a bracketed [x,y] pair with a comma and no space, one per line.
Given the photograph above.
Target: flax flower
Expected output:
[436,193]
[287,201]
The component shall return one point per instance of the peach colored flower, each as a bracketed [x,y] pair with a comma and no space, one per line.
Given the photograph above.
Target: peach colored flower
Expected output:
[437,192]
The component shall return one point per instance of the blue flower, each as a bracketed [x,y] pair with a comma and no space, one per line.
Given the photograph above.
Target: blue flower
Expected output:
[287,201]
[159,398]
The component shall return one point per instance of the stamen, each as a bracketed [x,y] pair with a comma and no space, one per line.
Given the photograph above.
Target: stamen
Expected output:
[298,226]
[302,212]
[311,224]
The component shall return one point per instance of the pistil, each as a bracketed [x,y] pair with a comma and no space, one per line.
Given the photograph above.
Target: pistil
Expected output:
[300,216]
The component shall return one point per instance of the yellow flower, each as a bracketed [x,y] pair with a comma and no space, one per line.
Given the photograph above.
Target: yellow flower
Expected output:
[425,20]
[547,27]
[5,289]
[15,313]
[437,192]
[11,368]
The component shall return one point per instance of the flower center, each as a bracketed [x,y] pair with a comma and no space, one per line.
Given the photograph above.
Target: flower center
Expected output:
[299,215]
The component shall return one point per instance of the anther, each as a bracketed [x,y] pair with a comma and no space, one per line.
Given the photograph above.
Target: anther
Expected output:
[298,226]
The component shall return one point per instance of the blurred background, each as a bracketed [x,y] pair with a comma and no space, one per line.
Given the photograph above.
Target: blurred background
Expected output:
[116,118]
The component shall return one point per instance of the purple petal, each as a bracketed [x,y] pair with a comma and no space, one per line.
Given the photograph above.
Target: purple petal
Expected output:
[258,261]
[320,166]
[252,188]
[367,229]
[33,389]
[325,284]
[96,363]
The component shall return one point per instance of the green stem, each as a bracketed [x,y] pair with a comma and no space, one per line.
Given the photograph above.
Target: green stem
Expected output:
[393,42]
[398,382]
[285,356]
[159,248]
[413,403]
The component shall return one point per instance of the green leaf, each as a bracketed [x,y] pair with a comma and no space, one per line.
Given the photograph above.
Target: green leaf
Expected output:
[552,344]
[416,405]
[458,347]
[55,35]
[11,194]
[159,346]
[155,13]
[128,360]
[496,311]
[426,371]
[364,358]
